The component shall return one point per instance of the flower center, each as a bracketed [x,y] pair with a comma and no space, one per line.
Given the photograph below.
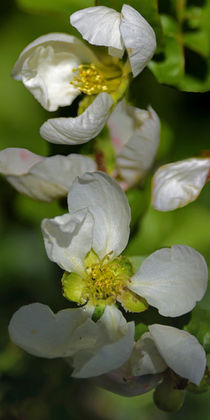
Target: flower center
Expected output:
[92,79]
[104,282]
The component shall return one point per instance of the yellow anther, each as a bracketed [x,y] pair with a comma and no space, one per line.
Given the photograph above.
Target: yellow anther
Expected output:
[95,78]
[103,283]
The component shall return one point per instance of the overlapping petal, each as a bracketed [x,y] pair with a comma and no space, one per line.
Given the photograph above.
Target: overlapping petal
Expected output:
[145,359]
[99,26]
[40,332]
[104,26]
[161,348]
[110,210]
[138,37]
[68,239]
[123,383]
[135,134]
[111,351]
[80,129]
[94,349]
[15,161]
[46,66]
[42,178]
[172,280]
[181,351]
[178,184]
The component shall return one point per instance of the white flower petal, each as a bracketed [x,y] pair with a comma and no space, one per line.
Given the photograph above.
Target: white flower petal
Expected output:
[80,129]
[111,350]
[68,239]
[99,26]
[47,178]
[122,124]
[172,279]
[46,68]
[109,207]
[138,37]
[135,134]
[178,184]
[146,359]
[15,161]
[40,332]
[54,176]
[181,351]
[119,382]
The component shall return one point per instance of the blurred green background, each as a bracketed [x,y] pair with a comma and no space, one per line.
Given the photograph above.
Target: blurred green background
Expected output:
[38,389]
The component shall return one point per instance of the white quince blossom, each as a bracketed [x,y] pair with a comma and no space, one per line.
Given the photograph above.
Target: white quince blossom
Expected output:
[42,178]
[135,134]
[87,243]
[92,348]
[179,183]
[57,67]
[161,348]
[47,69]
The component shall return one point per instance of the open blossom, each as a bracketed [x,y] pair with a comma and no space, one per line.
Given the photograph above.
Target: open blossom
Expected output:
[87,243]
[57,67]
[135,135]
[92,348]
[42,178]
[161,348]
[179,183]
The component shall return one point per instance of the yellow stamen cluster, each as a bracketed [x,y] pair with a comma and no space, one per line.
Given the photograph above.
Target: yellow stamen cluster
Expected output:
[92,79]
[103,283]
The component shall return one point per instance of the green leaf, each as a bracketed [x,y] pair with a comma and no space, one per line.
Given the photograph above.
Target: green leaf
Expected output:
[168,67]
[187,47]
[62,6]
[199,326]
[198,42]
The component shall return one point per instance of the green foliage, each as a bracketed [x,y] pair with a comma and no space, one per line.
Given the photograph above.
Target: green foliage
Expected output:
[62,6]
[34,211]
[204,385]
[138,201]
[184,61]
[199,326]
[183,226]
